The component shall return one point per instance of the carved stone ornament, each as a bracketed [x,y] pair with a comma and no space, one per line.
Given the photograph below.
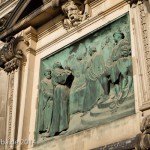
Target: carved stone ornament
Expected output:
[4,20]
[10,56]
[75,13]
[143,139]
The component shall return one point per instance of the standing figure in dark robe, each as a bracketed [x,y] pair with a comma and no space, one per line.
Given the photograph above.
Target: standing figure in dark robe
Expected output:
[94,69]
[61,80]
[46,103]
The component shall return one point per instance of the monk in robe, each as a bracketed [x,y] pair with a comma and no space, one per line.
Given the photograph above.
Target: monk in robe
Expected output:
[46,103]
[61,79]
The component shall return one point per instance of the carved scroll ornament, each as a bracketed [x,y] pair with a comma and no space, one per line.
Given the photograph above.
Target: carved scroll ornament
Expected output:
[10,56]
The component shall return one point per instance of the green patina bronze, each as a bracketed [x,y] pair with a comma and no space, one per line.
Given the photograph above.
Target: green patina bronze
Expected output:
[89,83]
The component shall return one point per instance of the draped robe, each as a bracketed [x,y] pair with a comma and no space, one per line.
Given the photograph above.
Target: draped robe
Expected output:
[46,104]
[60,117]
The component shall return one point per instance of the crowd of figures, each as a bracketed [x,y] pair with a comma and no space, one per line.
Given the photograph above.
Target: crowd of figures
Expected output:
[83,83]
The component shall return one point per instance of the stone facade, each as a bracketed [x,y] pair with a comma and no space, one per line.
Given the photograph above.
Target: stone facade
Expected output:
[36,36]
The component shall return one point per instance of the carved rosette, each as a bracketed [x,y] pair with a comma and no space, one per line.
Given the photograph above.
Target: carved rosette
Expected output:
[10,56]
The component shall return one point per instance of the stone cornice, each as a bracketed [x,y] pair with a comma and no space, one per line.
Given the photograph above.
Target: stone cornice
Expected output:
[76,29]
[15,26]
[7,5]
[59,24]
[24,23]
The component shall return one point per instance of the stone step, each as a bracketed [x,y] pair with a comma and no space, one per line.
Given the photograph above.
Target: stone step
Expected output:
[107,103]
[101,111]
[106,118]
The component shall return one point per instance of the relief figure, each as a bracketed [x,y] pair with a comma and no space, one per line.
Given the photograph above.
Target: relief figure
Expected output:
[121,68]
[93,84]
[46,104]
[61,79]
[77,92]
[94,89]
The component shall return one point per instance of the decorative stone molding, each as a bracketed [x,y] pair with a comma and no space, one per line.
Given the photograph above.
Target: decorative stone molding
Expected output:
[3,21]
[143,20]
[140,16]
[145,37]
[10,56]
[85,24]
[143,139]
[10,101]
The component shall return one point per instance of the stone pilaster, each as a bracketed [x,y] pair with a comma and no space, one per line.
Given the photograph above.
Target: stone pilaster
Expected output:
[140,16]
[11,57]
[26,90]
[140,19]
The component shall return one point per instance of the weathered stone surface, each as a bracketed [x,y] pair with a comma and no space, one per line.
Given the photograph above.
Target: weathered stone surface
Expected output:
[3,105]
